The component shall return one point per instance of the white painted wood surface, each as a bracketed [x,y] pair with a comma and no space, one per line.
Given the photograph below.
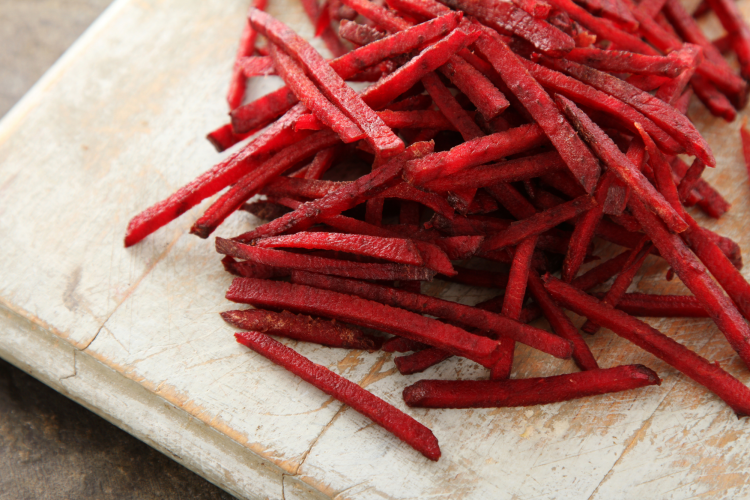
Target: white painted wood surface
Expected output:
[134,334]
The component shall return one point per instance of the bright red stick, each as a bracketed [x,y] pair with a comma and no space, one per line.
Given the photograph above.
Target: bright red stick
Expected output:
[254,181]
[452,110]
[326,33]
[731,18]
[278,135]
[452,311]
[660,306]
[621,166]
[351,269]
[695,276]
[310,96]
[391,419]
[578,158]
[276,294]
[527,392]
[333,86]
[299,327]
[745,138]
[236,92]
[224,137]
[709,375]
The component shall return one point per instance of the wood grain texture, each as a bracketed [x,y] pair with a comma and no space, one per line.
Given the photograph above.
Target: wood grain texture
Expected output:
[135,334]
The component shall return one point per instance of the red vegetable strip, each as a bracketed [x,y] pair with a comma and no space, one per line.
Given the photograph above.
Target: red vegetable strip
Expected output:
[476,152]
[404,191]
[694,275]
[709,375]
[340,200]
[620,165]
[716,102]
[264,109]
[391,249]
[664,115]
[390,418]
[401,344]
[310,96]
[602,28]
[254,181]
[519,169]
[662,174]
[527,392]
[730,279]
[616,61]
[692,176]
[661,306]
[452,110]
[490,102]
[515,294]
[325,32]
[387,89]
[584,230]
[537,8]
[601,273]
[364,313]
[472,277]
[561,324]
[236,92]
[378,15]
[332,85]
[211,182]
[257,66]
[711,202]
[361,34]
[452,311]
[622,282]
[419,361]
[539,223]
[745,139]
[506,17]
[394,119]
[577,157]
[725,78]
[322,162]
[253,269]
[299,327]
[352,269]
[292,187]
[422,8]
[224,137]
[731,18]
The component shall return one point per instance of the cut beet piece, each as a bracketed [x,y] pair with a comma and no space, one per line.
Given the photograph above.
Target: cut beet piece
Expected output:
[745,138]
[506,17]
[390,418]
[582,164]
[660,306]
[278,135]
[539,223]
[323,29]
[537,8]
[694,275]
[257,66]
[361,34]
[236,92]
[709,375]
[527,392]
[561,324]
[465,315]
[661,113]
[392,249]
[332,85]
[224,137]
[489,101]
[452,110]
[340,200]
[299,327]
[474,153]
[310,96]
[350,269]
[364,313]
[420,361]
[621,166]
[401,344]
[431,58]
[731,18]
[253,182]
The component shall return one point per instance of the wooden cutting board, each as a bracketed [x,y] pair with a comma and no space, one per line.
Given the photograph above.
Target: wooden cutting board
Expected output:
[119,123]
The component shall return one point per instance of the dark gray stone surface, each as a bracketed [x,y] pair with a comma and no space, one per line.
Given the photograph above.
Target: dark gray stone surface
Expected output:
[51,447]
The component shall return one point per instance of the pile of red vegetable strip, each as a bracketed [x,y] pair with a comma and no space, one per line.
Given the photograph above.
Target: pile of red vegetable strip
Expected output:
[514,137]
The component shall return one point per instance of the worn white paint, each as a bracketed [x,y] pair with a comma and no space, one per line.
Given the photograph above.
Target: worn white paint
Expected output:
[134,334]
